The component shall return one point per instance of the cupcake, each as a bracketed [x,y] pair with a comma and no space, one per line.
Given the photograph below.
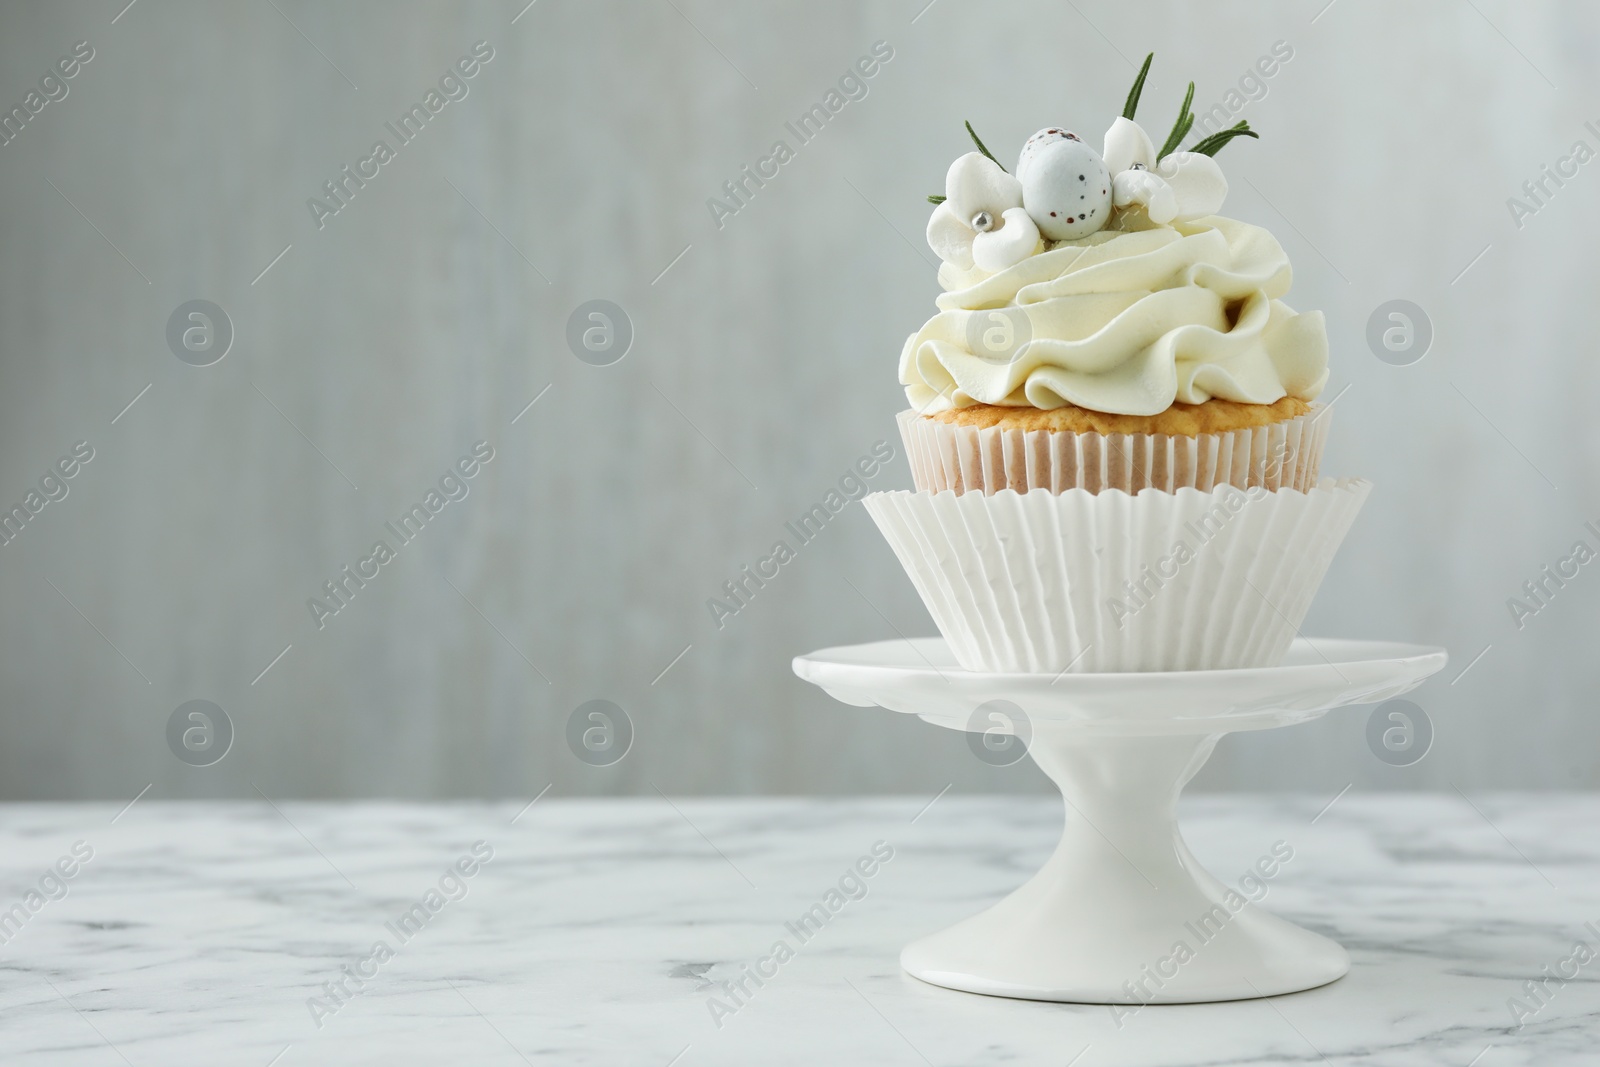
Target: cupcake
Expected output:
[1102,327]
[1113,430]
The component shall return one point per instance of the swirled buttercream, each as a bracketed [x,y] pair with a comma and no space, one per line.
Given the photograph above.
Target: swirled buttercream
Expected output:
[1124,322]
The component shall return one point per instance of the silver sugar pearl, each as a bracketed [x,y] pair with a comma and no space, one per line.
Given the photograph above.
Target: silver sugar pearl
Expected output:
[983,222]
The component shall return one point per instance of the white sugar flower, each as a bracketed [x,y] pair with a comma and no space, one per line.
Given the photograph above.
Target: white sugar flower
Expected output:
[1184,185]
[982,220]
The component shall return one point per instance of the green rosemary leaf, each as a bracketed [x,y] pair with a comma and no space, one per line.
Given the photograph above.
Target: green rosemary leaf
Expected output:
[1180,127]
[1209,146]
[1132,103]
[935,199]
[973,134]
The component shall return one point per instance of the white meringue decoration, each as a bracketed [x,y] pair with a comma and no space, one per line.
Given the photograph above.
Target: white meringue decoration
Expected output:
[1196,181]
[1184,185]
[951,238]
[1013,239]
[1127,144]
[975,184]
[1140,186]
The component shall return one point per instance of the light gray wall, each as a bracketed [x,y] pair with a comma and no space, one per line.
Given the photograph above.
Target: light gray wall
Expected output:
[426,314]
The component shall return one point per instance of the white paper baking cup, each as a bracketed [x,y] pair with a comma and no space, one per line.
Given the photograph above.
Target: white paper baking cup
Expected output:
[1283,455]
[1079,581]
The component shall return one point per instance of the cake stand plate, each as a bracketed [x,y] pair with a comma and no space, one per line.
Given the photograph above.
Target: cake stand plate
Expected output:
[1122,913]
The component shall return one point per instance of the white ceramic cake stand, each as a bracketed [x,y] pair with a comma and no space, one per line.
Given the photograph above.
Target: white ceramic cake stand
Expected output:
[1100,922]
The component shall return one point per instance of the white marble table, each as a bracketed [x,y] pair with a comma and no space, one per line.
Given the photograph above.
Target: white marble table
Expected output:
[600,931]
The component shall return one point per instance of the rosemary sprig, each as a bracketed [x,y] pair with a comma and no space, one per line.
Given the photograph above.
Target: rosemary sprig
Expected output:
[935,199]
[1208,146]
[973,134]
[1132,103]
[1180,128]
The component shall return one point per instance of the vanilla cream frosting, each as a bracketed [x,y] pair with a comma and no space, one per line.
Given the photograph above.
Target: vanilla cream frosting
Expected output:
[1124,322]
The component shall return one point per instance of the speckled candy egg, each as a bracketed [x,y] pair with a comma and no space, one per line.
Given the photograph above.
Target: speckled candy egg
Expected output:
[1066,188]
[1045,136]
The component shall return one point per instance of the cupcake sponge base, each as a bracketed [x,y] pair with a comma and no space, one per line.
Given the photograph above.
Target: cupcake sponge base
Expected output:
[955,453]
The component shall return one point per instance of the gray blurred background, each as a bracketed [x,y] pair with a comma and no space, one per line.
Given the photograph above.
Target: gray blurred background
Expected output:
[371,353]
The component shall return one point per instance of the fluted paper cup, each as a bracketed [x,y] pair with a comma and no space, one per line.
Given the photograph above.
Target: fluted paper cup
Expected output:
[961,459]
[1081,581]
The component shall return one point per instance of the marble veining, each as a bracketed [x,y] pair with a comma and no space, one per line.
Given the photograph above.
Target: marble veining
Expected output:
[611,932]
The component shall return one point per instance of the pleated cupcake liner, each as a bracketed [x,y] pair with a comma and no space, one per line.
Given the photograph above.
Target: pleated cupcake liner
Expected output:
[1090,582]
[963,459]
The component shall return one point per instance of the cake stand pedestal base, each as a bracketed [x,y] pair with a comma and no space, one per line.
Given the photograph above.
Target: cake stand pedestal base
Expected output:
[1122,912]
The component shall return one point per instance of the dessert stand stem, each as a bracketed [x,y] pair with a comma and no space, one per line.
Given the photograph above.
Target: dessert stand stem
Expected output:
[1122,912]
